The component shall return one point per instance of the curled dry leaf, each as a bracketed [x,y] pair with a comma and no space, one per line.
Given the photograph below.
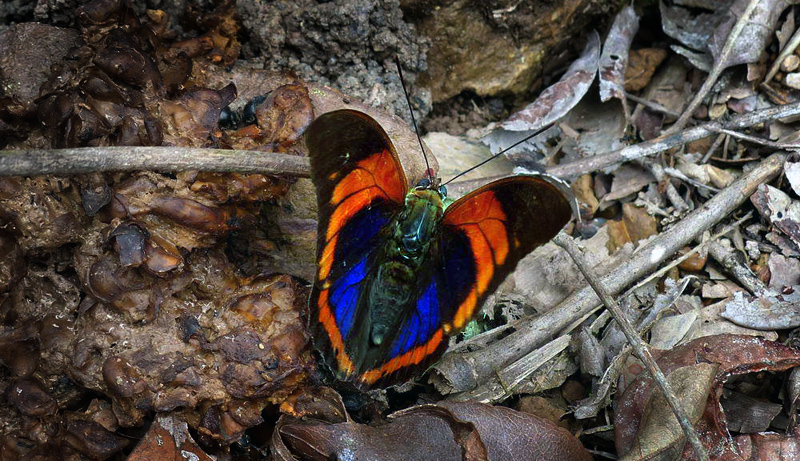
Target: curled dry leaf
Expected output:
[755,36]
[779,209]
[284,115]
[446,431]
[553,103]
[614,60]
[689,29]
[792,172]
[660,436]
[642,65]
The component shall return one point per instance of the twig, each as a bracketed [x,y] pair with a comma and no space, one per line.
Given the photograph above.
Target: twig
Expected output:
[460,372]
[654,106]
[672,193]
[678,174]
[731,261]
[785,52]
[701,246]
[757,140]
[719,66]
[663,143]
[28,162]
[639,347]
[714,146]
[511,376]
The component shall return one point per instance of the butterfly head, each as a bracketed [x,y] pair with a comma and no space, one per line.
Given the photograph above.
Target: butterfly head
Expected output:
[432,183]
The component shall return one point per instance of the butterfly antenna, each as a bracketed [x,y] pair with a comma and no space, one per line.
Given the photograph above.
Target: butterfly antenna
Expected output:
[526,138]
[413,120]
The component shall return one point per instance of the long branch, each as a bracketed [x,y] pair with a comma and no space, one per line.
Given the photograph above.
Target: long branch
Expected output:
[29,162]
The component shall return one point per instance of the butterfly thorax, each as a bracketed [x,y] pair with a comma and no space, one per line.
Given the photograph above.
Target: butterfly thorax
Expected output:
[405,254]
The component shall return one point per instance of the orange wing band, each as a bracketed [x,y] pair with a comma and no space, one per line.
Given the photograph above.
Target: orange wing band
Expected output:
[412,357]
[329,323]
[482,220]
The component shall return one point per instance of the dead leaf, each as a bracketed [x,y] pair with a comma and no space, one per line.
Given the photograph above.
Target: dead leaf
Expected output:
[780,210]
[792,172]
[731,355]
[755,36]
[584,192]
[642,65]
[746,414]
[450,430]
[628,180]
[773,312]
[687,28]
[636,225]
[660,436]
[168,438]
[614,59]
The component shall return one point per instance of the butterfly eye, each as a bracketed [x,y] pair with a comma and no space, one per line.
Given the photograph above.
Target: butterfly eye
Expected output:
[443,191]
[424,183]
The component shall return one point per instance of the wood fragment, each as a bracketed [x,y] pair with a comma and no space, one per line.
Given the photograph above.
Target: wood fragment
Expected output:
[732,261]
[644,149]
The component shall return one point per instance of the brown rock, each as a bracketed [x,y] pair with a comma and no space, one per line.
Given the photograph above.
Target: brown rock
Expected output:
[498,61]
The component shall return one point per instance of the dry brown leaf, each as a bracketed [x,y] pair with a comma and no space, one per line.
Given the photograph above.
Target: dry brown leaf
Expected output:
[660,437]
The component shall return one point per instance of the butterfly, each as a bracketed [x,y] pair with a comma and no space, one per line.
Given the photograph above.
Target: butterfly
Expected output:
[398,270]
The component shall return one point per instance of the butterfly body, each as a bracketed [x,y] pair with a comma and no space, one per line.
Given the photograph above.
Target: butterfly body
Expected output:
[404,257]
[398,272]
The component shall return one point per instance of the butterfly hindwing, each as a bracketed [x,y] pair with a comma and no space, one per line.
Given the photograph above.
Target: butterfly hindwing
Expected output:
[360,189]
[495,226]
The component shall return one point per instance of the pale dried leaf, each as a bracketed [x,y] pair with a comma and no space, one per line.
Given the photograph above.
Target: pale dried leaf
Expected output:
[774,312]
[692,31]
[659,432]
[614,59]
[755,36]
[792,172]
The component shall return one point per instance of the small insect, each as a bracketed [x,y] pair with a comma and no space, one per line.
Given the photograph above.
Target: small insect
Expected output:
[398,271]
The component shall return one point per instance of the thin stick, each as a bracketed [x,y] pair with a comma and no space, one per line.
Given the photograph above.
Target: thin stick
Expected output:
[714,146]
[730,260]
[639,347]
[785,52]
[29,162]
[663,143]
[697,248]
[719,66]
[654,106]
[757,140]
